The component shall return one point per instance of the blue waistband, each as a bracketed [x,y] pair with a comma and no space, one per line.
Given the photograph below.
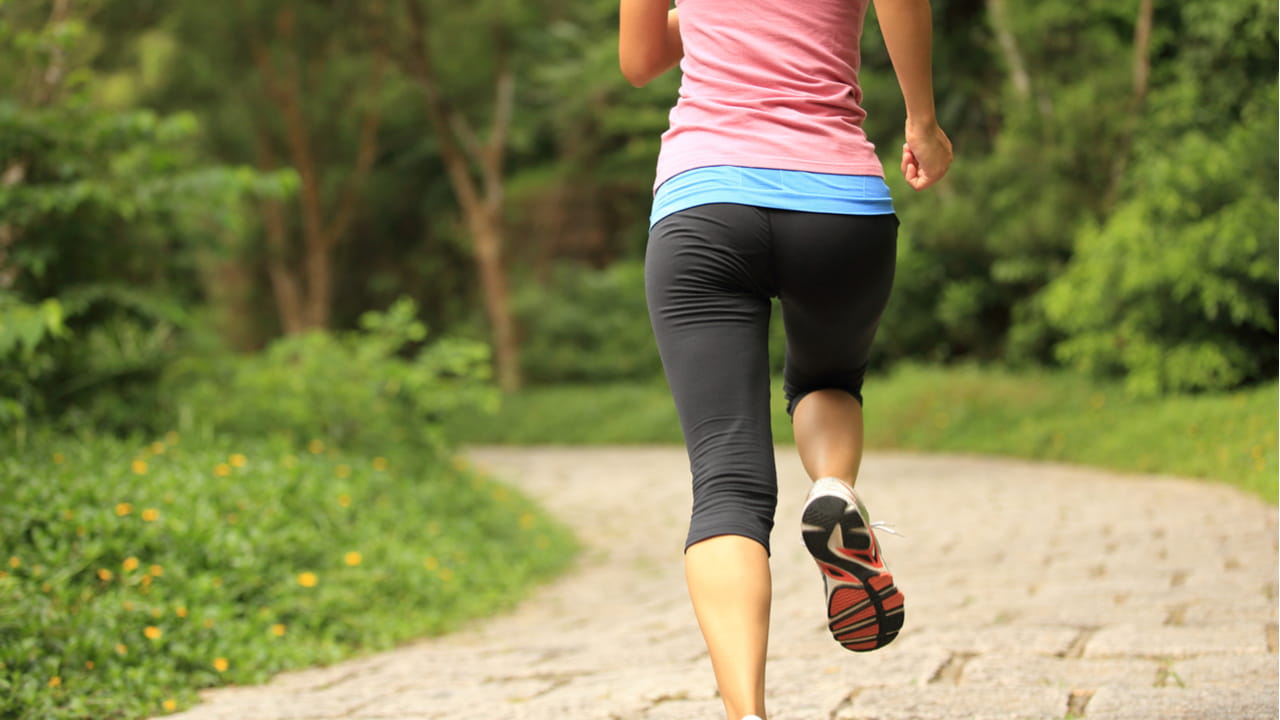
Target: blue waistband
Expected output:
[777,189]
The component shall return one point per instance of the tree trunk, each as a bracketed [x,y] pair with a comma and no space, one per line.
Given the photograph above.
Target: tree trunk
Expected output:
[487,235]
[1008,44]
[476,173]
[1007,41]
[303,287]
[1141,81]
[1142,51]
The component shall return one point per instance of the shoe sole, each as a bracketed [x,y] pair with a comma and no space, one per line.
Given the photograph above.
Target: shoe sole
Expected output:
[864,606]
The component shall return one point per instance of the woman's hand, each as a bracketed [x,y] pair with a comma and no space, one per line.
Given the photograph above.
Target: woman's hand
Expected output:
[926,155]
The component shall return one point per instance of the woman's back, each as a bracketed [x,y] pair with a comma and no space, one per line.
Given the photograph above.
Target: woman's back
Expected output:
[770,85]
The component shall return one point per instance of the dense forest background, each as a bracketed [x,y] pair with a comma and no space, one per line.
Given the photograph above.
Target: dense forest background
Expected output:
[182,183]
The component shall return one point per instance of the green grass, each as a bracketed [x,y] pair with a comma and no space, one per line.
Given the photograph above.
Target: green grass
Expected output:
[1227,437]
[132,574]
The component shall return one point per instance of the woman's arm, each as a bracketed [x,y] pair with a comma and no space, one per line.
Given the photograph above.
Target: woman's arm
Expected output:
[648,39]
[907,26]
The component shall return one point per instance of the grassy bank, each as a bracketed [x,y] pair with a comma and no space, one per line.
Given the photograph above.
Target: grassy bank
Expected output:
[132,574]
[1227,437]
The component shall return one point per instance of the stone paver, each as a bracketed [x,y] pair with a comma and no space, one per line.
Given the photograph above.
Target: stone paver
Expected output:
[1033,591]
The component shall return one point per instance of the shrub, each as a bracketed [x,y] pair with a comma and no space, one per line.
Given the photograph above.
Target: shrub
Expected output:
[134,574]
[587,325]
[365,389]
[1177,289]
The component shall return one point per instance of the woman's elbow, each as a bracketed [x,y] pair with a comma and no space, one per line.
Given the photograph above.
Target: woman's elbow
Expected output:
[637,72]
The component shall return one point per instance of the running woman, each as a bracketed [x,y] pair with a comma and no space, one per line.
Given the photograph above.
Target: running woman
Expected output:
[768,187]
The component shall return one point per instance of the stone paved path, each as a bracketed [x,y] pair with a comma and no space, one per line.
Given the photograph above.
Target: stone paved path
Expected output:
[1033,591]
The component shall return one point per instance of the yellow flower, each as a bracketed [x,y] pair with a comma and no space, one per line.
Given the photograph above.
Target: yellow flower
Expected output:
[222,469]
[152,632]
[220,664]
[139,467]
[344,500]
[130,563]
[55,681]
[277,630]
[342,471]
[150,514]
[46,588]
[501,494]
[123,509]
[527,521]
[289,461]
[208,623]
[146,582]
[127,605]
[81,531]
[315,447]
[156,570]
[446,574]
[169,705]
[157,448]
[307,579]
[121,649]
[238,460]
[88,665]
[3,574]
[59,458]
[352,558]
[180,611]
[69,514]
[232,518]
[171,437]
[104,575]
[431,564]
[15,562]
[379,464]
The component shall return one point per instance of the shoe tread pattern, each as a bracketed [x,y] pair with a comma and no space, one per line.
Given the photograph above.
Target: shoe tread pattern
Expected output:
[864,606]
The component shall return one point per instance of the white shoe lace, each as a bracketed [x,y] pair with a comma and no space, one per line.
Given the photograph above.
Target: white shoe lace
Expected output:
[882,525]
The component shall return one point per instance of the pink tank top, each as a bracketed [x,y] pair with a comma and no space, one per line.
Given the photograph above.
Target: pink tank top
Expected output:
[769,84]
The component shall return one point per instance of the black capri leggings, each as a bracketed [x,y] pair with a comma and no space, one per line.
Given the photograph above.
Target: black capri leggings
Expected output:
[710,272]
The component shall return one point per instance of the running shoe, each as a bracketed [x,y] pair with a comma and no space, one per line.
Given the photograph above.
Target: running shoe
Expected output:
[864,607]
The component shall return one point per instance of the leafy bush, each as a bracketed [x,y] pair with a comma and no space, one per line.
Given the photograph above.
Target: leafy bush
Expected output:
[103,212]
[587,325]
[1177,289]
[133,574]
[361,390]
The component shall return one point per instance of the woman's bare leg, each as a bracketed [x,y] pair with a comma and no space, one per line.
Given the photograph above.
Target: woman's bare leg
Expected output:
[828,430]
[731,589]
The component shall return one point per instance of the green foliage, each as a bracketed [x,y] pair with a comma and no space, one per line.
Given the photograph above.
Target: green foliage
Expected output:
[1176,289]
[359,389]
[103,214]
[1228,437]
[587,325]
[133,574]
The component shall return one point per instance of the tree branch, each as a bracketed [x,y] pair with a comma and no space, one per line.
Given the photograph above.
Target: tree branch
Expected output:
[1008,45]
[1142,51]
[423,70]
[366,152]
